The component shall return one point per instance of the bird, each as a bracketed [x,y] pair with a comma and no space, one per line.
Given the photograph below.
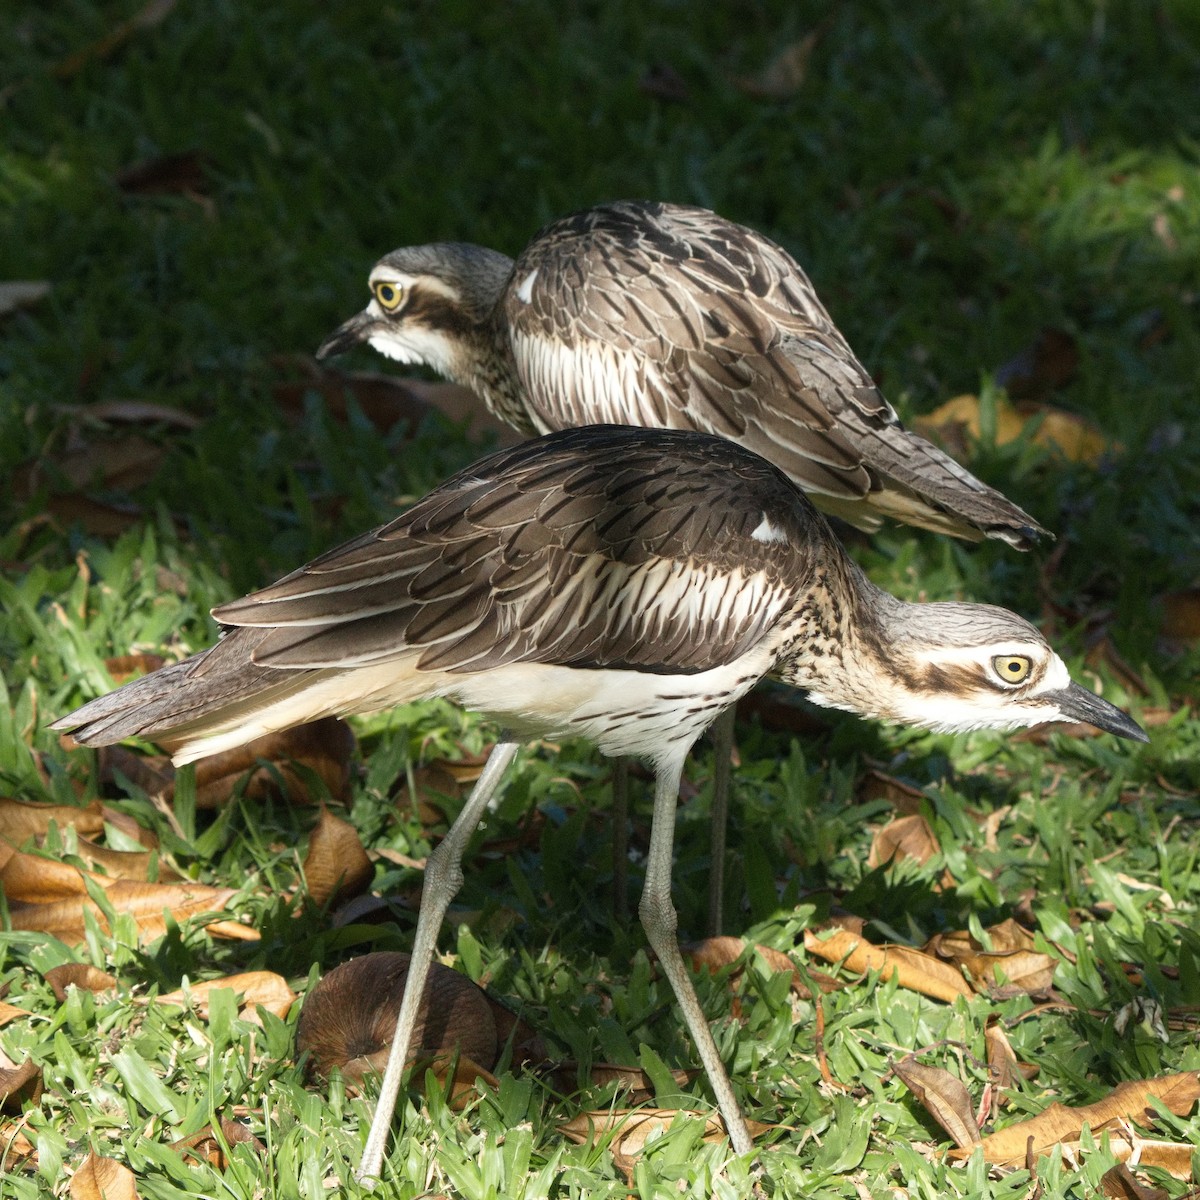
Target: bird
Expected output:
[670,316]
[620,584]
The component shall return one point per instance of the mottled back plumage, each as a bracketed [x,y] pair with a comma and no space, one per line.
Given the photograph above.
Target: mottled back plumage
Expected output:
[665,316]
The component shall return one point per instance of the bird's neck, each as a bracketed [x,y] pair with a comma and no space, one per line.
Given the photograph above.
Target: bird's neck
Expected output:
[841,652]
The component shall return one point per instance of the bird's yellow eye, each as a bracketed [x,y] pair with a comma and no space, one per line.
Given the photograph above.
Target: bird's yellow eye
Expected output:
[389,296]
[1012,668]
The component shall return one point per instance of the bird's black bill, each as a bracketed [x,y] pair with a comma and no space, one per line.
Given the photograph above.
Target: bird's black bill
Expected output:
[346,337]
[1078,704]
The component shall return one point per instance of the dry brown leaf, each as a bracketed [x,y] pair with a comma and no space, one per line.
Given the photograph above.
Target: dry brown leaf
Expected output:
[1050,363]
[348,1019]
[103,1179]
[150,15]
[639,1085]
[124,667]
[1012,955]
[207,1147]
[80,975]
[957,425]
[634,1126]
[715,953]
[21,293]
[911,968]
[1181,614]
[383,399]
[97,517]
[905,837]
[123,464]
[1001,1057]
[20,1085]
[784,75]
[137,412]
[23,819]
[10,1012]
[1173,1157]
[145,902]
[945,1098]
[1119,1183]
[903,797]
[336,865]
[16,1148]
[256,988]
[1061,1123]
[432,784]
[182,173]
[125,864]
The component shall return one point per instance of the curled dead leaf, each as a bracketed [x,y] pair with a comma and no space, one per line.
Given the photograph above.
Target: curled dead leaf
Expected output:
[1129,1101]
[256,988]
[944,1097]
[120,464]
[207,1147]
[10,1012]
[103,1179]
[336,865]
[348,1019]
[911,968]
[1012,957]
[23,819]
[903,797]
[19,1085]
[80,975]
[716,953]
[905,837]
[957,425]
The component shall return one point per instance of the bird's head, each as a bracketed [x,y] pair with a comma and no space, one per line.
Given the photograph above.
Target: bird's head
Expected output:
[426,301]
[956,667]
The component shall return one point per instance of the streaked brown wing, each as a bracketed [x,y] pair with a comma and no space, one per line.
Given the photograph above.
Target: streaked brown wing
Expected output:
[594,548]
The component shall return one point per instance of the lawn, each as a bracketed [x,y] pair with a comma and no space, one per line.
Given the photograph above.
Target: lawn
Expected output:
[998,201]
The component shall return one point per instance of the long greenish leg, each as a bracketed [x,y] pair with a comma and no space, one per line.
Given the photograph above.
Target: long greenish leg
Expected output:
[443,878]
[658,917]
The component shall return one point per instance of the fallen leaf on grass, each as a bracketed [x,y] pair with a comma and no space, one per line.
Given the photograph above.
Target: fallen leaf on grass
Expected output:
[901,838]
[96,517]
[716,953]
[384,400]
[21,293]
[911,968]
[120,464]
[903,797]
[182,173]
[1173,1157]
[957,425]
[944,1097]
[1119,1183]
[348,1019]
[1012,954]
[1003,1065]
[103,1179]
[24,819]
[634,1081]
[1129,1101]
[207,1147]
[255,988]
[80,975]
[123,667]
[10,1012]
[336,865]
[147,17]
[632,1128]
[325,747]
[16,1148]
[1181,614]
[19,1085]
[783,76]
[1049,363]
[134,412]
[147,903]
[125,864]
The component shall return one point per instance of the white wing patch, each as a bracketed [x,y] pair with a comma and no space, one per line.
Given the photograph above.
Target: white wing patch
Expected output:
[767,533]
[525,291]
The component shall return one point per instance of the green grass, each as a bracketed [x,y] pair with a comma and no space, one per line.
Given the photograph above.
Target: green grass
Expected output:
[956,179]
